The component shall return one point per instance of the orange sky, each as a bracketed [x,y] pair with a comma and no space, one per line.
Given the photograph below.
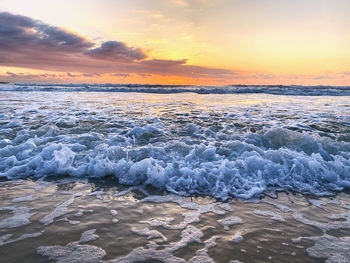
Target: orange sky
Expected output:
[176,41]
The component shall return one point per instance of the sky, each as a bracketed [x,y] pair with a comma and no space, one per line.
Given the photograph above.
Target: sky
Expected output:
[205,42]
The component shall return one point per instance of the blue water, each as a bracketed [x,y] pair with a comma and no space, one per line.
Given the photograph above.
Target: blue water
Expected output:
[238,144]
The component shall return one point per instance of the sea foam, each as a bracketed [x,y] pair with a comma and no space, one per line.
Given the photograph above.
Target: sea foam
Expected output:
[235,148]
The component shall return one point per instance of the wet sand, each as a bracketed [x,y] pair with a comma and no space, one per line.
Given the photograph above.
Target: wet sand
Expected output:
[67,220]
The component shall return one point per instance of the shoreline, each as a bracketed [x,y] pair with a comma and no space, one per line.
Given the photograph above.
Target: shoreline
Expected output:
[62,217]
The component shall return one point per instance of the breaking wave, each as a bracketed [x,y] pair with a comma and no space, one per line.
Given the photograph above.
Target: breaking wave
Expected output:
[235,148]
[239,166]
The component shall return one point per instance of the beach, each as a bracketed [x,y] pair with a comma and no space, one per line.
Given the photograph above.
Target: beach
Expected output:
[75,221]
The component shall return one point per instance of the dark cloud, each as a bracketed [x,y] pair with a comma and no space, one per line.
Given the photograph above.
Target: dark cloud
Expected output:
[168,67]
[91,75]
[29,43]
[10,74]
[18,77]
[144,75]
[161,64]
[118,51]
[72,75]
[27,76]
[20,33]
[123,75]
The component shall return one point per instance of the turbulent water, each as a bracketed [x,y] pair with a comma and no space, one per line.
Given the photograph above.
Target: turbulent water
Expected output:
[166,89]
[184,139]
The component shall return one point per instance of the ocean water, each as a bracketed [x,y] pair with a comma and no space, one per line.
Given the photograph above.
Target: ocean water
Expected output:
[132,173]
[171,89]
[224,142]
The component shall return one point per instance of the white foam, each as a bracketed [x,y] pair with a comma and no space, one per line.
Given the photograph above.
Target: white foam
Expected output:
[113,212]
[189,235]
[309,154]
[202,254]
[150,234]
[317,203]
[130,189]
[60,210]
[98,194]
[324,226]
[140,211]
[189,217]
[88,236]
[334,249]
[5,239]
[71,222]
[282,208]
[20,217]
[273,215]
[201,208]
[226,207]
[23,198]
[345,216]
[79,213]
[75,252]
[229,221]
[237,238]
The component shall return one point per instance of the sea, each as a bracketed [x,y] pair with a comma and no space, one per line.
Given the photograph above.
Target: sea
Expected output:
[157,173]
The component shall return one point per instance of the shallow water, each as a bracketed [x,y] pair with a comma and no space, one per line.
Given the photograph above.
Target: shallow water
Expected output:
[123,224]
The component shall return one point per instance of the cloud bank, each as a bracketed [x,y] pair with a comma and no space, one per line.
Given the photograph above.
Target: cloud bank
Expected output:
[30,43]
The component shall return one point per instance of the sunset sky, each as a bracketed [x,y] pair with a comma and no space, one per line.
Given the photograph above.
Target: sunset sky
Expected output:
[219,42]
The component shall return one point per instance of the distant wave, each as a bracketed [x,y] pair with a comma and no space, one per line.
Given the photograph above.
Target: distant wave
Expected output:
[168,89]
